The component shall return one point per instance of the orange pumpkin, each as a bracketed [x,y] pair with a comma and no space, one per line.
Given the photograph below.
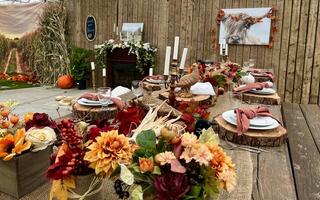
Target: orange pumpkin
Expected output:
[65,82]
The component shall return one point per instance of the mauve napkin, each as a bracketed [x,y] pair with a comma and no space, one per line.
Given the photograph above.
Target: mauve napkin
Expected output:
[251,86]
[244,116]
[94,97]
[260,73]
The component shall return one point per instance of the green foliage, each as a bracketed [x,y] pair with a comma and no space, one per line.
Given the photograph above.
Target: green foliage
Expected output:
[80,62]
[145,53]
[210,187]
[9,85]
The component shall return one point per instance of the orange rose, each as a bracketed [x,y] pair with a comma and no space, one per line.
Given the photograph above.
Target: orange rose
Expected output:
[146,165]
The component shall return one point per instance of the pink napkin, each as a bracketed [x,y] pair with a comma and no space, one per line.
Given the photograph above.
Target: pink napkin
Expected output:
[260,73]
[251,86]
[243,116]
[94,97]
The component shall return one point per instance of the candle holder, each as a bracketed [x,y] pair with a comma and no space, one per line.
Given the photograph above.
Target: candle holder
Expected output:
[93,80]
[171,80]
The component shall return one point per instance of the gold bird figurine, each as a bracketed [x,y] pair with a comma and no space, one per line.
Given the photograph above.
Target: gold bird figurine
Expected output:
[188,80]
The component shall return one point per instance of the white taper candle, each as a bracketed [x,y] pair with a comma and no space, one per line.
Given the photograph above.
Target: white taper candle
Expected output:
[176,48]
[167,61]
[183,59]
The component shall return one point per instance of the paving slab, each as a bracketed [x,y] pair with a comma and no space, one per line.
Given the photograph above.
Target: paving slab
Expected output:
[40,99]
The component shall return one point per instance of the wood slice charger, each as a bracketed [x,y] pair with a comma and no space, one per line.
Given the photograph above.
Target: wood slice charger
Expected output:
[270,138]
[273,99]
[201,99]
[88,113]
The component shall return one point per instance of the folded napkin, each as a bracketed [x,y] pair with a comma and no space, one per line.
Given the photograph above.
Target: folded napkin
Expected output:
[244,116]
[202,88]
[261,73]
[251,86]
[94,97]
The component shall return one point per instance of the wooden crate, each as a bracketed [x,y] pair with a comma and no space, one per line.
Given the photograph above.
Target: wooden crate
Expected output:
[24,173]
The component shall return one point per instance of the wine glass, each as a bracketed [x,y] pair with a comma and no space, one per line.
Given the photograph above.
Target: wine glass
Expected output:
[104,96]
[252,63]
[246,66]
[136,88]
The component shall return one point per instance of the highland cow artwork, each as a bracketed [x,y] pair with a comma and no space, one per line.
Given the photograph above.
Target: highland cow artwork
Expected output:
[248,26]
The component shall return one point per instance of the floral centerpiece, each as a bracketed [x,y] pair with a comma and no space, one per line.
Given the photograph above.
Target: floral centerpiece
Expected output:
[35,132]
[144,51]
[180,167]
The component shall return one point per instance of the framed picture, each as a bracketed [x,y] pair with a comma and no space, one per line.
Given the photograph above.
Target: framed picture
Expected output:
[91,28]
[131,32]
[248,26]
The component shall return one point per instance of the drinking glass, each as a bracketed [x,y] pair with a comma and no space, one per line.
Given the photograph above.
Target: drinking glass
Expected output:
[104,96]
[136,88]
[252,63]
[235,100]
[246,66]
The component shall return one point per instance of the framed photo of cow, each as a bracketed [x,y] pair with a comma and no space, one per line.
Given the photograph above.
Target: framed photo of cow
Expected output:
[246,26]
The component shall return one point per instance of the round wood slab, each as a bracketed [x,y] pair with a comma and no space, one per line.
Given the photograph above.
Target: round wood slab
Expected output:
[273,99]
[88,113]
[201,99]
[270,138]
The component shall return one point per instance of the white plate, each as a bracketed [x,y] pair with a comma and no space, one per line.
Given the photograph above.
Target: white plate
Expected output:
[154,81]
[87,102]
[264,91]
[229,117]
[257,121]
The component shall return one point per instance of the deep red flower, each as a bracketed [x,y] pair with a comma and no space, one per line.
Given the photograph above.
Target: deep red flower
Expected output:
[171,186]
[41,120]
[129,119]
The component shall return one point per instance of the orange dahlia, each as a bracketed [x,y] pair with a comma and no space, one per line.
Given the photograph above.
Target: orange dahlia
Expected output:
[108,151]
[11,145]
[223,166]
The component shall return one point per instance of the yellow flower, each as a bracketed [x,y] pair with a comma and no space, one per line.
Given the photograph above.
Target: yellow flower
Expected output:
[165,158]
[146,165]
[108,151]
[12,145]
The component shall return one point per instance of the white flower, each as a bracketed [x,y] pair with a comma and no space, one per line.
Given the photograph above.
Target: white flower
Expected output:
[98,46]
[146,46]
[40,138]
[111,41]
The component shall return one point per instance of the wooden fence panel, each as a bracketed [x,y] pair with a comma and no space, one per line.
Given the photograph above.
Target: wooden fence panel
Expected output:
[294,57]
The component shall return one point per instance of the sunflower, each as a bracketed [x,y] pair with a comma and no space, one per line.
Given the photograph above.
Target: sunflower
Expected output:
[108,151]
[11,145]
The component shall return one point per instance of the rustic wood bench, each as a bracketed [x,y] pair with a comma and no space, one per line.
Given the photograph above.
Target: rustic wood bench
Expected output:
[303,125]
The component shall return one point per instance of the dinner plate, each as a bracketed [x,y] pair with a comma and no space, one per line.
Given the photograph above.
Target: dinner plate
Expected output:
[264,91]
[155,81]
[87,102]
[257,121]
[229,116]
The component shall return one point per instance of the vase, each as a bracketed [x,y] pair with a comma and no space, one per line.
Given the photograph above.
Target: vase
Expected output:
[82,84]
[83,184]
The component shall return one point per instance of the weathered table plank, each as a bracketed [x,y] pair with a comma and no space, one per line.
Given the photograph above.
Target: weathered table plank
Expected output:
[312,115]
[304,153]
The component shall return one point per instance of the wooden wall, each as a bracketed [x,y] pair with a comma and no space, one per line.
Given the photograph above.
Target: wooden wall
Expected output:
[295,56]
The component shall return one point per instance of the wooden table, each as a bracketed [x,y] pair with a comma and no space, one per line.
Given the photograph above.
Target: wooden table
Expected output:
[291,171]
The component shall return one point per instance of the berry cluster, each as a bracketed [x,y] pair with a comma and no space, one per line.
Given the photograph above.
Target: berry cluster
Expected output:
[194,173]
[69,134]
[121,189]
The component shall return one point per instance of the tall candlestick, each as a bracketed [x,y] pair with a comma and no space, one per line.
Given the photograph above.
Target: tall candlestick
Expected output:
[167,61]
[92,66]
[220,49]
[104,72]
[226,49]
[150,71]
[183,59]
[176,48]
